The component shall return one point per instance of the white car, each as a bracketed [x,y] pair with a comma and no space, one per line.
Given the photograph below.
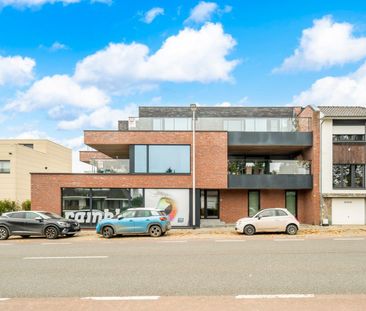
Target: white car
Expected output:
[268,220]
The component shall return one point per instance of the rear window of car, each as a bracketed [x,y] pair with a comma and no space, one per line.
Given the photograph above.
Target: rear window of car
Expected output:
[16,215]
[281,213]
[142,214]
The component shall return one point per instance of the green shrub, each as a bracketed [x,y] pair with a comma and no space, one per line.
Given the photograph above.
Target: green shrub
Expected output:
[8,206]
[26,205]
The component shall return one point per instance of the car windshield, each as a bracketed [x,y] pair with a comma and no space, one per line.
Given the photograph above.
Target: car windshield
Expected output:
[48,215]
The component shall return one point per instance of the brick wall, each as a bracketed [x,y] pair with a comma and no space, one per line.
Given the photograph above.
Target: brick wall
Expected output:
[233,205]
[211,170]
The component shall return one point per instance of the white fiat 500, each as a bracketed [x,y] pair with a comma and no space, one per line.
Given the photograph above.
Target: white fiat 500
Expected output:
[268,220]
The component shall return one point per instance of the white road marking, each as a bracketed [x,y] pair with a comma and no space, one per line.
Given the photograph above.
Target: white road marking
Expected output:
[66,257]
[171,241]
[6,244]
[4,299]
[55,243]
[349,239]
[287,240]
[283,296]
[122,298]
[224,241]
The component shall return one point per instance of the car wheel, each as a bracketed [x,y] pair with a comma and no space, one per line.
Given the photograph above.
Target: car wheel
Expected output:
[249,230]
[4,233]
[291,229]
[25,236]
[155,231]
[51,233]
[107,232]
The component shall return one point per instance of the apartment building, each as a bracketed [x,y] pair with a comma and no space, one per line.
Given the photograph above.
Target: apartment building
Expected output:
[201,165]
[343,158]
[20,157]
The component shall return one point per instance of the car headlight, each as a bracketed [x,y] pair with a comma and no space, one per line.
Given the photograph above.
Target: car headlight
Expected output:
[63,224]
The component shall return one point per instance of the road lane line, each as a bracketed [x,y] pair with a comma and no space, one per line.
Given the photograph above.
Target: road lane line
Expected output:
[56,243]
[283,296]
[224,241]
[348,239]
[287,240]
[114,298]
[172,242]
[66,257]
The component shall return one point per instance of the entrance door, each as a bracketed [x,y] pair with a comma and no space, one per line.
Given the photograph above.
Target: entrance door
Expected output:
[210,204]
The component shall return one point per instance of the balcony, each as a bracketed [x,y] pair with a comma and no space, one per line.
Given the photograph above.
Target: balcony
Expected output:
[269,174]
[220,124]
[110,166]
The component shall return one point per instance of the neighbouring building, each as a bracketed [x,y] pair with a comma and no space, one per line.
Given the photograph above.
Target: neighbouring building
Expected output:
[343,158]
[245,159]
[20,157]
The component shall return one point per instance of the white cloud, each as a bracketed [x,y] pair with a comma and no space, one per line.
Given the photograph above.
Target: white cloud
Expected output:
[33,3]
[58,90]
[20,4]
[56,46]
[102,118]
[16,70]
[77,165]
[202,12]
[347,90]
[190,56]
[150,15]
[325,44]
[32,134]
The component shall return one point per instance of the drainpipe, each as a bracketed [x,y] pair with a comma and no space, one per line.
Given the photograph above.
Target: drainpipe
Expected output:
[194,108]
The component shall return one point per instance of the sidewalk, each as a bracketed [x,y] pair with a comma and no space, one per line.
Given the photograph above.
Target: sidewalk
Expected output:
[229,232]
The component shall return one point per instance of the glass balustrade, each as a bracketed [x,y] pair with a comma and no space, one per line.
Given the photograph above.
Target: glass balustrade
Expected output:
[268,167]
[110,166]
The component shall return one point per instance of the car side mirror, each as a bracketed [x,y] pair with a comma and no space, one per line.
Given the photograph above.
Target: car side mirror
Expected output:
[120,217]
[259,217]
[40,219]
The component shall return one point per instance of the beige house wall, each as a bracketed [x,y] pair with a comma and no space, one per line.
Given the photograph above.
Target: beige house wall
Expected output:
[45,156]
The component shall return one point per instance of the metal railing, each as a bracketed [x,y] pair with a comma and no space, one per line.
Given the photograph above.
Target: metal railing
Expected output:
[268,167]
[221,124]
[110,166]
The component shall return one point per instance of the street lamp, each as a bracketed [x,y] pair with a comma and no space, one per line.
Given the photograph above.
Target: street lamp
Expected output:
[194,109]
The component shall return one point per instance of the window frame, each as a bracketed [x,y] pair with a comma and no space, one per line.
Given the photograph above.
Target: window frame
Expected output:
[147,159]
[352,175]
[2,171]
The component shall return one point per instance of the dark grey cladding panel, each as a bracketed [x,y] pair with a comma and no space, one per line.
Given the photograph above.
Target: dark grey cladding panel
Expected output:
[292,182]
[123,125]
[216,112]
[270,138]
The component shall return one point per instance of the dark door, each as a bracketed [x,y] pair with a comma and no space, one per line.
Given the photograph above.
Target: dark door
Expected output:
[16,221]
[210,204]
[33,225]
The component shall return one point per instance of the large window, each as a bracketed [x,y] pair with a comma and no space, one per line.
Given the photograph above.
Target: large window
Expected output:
[348,175]
[168,159]
[348,137]
[253,203]
[4,166]
[88,206]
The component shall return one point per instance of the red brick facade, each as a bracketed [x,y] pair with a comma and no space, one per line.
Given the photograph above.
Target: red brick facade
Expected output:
[211,172]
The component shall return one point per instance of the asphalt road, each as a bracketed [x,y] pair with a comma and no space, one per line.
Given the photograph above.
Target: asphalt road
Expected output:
[39,268]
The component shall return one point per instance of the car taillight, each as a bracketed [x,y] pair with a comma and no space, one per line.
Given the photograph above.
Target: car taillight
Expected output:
[163,218]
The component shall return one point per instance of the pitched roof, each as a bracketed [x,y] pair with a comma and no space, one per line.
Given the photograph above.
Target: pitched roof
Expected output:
[343,111]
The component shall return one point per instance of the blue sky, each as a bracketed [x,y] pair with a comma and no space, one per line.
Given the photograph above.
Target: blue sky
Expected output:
[69,65]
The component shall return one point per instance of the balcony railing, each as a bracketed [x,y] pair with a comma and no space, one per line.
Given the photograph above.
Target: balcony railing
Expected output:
[110,166]
[221,124]
[268,167]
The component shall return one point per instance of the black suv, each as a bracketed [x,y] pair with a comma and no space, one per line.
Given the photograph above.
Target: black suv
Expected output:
[45,224]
